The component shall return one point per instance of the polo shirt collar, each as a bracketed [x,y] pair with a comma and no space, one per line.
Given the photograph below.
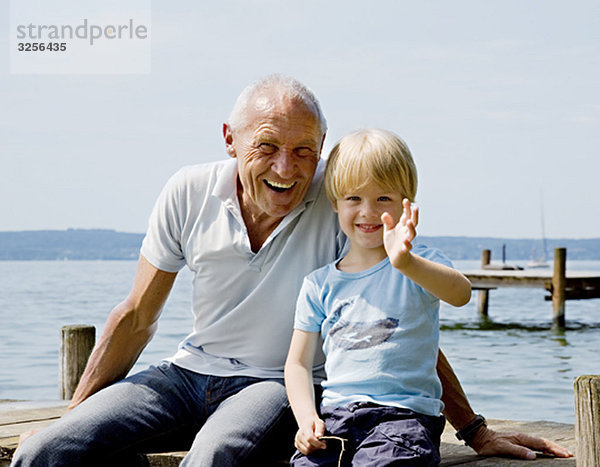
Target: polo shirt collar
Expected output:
[225,186]
[225,189]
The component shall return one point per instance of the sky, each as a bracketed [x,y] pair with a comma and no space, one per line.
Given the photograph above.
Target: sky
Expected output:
[499,102]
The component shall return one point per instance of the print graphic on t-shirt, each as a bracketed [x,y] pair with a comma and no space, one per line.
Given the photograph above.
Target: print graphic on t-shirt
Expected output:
[360,334]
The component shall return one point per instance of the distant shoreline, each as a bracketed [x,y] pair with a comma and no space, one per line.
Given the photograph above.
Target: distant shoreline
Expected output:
[110,245]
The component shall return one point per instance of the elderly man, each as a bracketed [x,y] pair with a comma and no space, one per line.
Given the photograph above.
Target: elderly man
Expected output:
[250,228]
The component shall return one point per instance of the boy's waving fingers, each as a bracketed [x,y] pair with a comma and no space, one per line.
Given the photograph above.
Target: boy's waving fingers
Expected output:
[388,221]
[415,214]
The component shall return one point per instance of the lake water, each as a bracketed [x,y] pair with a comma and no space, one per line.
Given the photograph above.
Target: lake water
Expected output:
[512,366]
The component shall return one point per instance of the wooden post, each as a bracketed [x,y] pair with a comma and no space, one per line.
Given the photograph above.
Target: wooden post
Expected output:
[559,280]
[484,294]
[587,420]
[76,344]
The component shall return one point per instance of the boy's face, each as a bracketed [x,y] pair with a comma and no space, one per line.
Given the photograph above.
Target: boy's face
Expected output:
[359,213]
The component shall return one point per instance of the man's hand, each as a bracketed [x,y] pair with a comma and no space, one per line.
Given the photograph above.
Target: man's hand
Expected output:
[307,437]
[397,239]
[492,443]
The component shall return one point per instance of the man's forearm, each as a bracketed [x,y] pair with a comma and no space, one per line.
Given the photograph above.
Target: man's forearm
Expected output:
[457,409]
[113,356]
[128,329]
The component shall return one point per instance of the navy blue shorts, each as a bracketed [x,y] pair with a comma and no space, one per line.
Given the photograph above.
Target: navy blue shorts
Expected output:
[376,436]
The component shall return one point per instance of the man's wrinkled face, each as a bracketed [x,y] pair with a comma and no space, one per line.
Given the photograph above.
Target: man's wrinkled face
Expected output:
[277,150]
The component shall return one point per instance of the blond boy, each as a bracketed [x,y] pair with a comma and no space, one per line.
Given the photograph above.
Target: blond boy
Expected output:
[376,313]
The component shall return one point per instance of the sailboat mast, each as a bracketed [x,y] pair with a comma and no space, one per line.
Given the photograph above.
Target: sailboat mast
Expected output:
[544,254]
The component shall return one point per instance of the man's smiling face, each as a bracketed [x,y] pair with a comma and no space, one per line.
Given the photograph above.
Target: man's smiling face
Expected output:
[277,150]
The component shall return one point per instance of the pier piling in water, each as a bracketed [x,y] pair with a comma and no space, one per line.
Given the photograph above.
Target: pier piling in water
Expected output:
[483,295]
[76,344]
[562,285]
[559,281]
[587,420]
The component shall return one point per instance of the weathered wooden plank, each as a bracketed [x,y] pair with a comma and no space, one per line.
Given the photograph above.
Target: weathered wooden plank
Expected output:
[21,415]
[587,419]
[487,281]
[76,344]
[17,417]
[536,277]
[8,432]
[171,459]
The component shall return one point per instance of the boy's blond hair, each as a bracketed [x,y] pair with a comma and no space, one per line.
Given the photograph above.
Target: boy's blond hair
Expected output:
[370,155]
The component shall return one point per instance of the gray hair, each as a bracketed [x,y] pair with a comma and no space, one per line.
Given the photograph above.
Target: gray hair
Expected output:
[285,86]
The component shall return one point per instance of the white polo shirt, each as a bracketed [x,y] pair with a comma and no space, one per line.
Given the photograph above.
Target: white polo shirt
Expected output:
[243,302]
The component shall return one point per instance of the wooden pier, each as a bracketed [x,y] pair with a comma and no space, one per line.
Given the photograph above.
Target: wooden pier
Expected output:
[18,417]
[561,284]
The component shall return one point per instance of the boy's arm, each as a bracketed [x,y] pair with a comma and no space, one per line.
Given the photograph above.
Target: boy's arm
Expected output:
[442,281]
[445,283]
[454,288]
[299,387]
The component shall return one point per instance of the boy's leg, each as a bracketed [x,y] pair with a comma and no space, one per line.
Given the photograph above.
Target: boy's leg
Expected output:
[130,416]
[401,437]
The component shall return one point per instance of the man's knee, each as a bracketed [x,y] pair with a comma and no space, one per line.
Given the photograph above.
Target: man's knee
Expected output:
[51,448]
[43,449]
[242,425]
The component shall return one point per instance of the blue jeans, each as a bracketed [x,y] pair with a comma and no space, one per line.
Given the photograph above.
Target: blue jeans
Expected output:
[225,420]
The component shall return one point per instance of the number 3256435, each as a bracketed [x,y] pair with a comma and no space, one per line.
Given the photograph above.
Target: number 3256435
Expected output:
[42,46]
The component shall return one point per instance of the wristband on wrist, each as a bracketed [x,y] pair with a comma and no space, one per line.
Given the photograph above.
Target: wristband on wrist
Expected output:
[469,431]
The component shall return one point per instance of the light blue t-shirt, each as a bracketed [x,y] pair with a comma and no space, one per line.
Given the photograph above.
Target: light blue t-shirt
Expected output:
[380,335]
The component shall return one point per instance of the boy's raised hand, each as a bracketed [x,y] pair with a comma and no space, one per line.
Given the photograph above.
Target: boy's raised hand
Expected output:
[397,239]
